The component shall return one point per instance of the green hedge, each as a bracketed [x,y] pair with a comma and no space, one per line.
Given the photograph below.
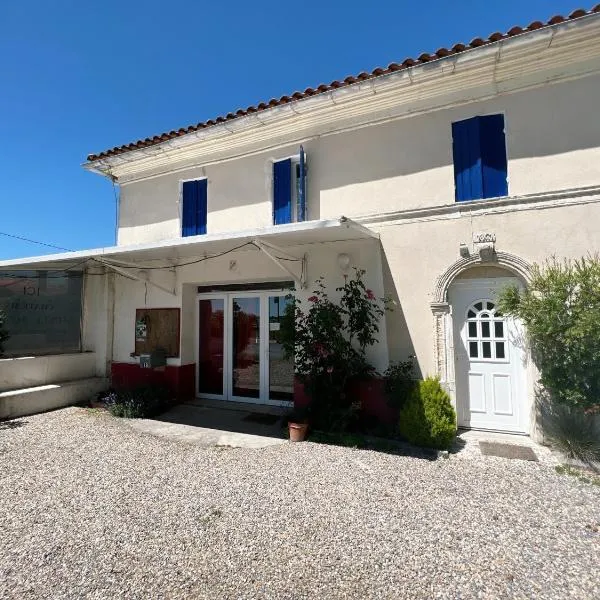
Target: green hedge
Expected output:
[427,418]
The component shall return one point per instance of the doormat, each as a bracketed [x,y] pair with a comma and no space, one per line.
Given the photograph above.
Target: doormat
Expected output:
[262,418]
[507,451]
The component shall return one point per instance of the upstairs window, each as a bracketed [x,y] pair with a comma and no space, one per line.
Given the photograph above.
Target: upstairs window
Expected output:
[479,149]
[289,189]
[193,214]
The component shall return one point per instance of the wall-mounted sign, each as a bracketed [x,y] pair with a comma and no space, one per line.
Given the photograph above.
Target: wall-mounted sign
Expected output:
[43,310]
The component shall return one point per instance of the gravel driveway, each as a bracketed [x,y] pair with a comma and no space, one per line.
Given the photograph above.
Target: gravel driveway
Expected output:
[90,508]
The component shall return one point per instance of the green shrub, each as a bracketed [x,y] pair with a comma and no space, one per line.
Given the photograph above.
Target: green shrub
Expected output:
[328,340]
[427,418]
[137,403]
[570,430]
[560,309]
[399,379]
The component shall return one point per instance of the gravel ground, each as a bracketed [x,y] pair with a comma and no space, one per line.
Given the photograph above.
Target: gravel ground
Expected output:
[90,508]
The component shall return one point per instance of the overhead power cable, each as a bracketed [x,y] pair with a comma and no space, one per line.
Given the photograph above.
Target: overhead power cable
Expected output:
[24,239]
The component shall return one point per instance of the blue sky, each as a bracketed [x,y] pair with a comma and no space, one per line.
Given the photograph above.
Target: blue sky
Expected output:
[79,77]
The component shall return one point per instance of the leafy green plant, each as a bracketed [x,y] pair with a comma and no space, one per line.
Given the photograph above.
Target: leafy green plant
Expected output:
[137,403]
[571,431]
[328,342]
[428,418]
[560,309]
[399,379]
[4,335]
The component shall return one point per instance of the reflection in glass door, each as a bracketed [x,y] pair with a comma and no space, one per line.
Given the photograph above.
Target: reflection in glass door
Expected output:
[211,355]
[245,347]
[281,369]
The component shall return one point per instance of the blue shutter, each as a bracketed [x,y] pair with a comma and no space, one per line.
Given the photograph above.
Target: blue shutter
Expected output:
[282,192]
[201,206]
[493,156]
[302,187]
[467,159]
[189,210]
[194,210]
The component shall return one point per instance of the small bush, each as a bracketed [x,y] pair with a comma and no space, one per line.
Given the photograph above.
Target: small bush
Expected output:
[571,431]
[428,419]
[399,380]
[137,403]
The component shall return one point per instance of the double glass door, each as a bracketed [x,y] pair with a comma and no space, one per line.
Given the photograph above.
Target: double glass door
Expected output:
[240,354]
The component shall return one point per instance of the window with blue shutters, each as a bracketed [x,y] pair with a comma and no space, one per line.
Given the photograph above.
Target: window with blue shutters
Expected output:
[194,209]
[289,189]
[480,163]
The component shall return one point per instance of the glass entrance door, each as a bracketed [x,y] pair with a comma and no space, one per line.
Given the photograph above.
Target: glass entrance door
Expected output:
[240,352]
[281,369]
[245,347]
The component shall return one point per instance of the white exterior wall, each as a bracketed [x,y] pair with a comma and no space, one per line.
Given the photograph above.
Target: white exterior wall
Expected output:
[552,142]
[417,253]
[98,305]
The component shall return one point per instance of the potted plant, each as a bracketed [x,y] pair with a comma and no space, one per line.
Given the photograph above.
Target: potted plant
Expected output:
[298,424]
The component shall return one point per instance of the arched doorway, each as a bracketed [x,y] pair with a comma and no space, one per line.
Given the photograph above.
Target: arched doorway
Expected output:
[480,352]
[489,358]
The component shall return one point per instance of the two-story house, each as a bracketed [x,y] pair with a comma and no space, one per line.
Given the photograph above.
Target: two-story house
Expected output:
[445,177]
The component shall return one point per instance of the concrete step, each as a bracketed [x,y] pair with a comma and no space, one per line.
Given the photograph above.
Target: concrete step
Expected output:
[32,400]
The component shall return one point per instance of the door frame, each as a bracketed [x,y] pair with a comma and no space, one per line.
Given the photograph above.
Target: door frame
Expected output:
[211,296]
[517,361]
[227,297]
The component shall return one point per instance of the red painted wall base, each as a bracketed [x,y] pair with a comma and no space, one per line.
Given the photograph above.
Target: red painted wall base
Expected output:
[180,380]
[369,392]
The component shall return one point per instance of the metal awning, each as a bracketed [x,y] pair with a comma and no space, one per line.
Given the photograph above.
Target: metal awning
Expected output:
[272,241]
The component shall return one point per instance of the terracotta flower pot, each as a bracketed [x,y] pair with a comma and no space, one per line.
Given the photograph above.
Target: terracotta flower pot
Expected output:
[297,431]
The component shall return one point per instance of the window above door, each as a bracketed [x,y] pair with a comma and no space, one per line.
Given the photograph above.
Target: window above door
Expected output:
[194,200]
[480,161]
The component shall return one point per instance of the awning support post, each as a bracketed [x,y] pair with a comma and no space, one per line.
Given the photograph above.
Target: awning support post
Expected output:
[269,250]
[136,277]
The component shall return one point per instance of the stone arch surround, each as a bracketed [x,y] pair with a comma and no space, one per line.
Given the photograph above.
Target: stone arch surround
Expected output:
[440,307]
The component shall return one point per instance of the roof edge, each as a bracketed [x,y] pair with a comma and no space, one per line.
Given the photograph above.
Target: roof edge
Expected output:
[350,80]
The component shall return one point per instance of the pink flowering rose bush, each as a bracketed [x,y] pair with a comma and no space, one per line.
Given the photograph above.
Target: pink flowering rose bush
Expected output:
[328,341]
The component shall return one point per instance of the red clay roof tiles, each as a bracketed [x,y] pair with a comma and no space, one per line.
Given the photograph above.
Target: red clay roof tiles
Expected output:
[408,62]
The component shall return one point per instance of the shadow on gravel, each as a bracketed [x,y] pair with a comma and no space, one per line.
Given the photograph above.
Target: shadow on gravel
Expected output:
[457,445]
[224,419]
[12,424]
[378,444]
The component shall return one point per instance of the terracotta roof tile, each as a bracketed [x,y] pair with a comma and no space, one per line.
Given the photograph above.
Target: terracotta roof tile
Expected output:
[350,80]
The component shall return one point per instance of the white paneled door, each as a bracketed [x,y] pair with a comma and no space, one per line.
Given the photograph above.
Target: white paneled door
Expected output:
[489,357]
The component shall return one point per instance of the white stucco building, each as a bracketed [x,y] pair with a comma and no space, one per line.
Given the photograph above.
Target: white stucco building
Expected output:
[445,177]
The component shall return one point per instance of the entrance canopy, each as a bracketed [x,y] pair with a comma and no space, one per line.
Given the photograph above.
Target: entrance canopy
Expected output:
[273,241]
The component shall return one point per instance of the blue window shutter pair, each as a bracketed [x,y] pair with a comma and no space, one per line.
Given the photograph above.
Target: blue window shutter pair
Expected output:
[283,180]
[480,163]
[194,210]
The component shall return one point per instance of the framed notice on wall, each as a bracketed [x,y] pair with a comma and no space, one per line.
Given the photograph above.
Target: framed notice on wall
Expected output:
[157,328]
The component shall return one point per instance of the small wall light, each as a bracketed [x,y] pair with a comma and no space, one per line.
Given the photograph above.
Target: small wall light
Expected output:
[343,262]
